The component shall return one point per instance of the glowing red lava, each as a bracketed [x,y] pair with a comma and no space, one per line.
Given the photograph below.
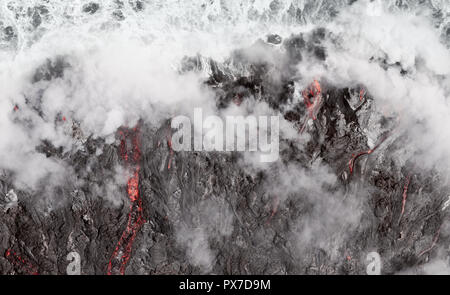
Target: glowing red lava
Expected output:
[274,209]
[361,94]
[14,258]
[351,163]
[405,195]
[131,156]
[169,144]
[313,92]
[312,96]
[436,237]
[238,99]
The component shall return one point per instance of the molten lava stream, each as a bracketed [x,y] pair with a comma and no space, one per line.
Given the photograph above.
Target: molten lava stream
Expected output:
[404,195]
[361,94]
[313,92]
[169,144]
[274,209]
[14,258]
[351,163]
[131,157]
[433,244]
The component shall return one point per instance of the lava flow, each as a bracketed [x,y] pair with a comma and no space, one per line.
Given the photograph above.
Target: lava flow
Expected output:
[405,195]
[238,99]
[351,163]
[436,238]
[14,258]
[169,144]
[274,209]
[361,94]
[131,156]
[312,97]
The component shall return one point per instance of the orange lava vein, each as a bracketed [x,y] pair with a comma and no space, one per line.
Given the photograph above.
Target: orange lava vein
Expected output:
[361,94]
[274,209]
[351,163]
[14,258]
[436,237]
[405,195]
[169,145]
[312,98]
[131,158]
